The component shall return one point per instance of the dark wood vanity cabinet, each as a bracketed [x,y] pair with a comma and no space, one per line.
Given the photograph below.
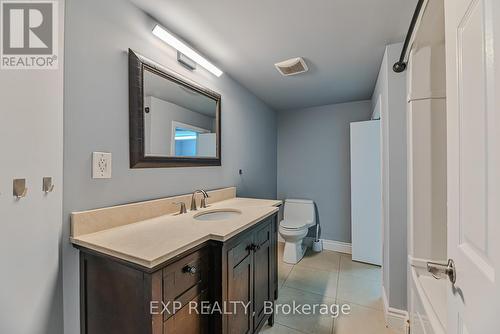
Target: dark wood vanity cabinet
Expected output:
[118,297]
[250,266]
[263,274]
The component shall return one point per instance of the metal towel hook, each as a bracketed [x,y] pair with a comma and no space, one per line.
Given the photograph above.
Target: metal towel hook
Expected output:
[47,185]
[19,189]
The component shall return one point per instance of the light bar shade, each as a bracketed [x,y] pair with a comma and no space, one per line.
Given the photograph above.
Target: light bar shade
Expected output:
[180,46]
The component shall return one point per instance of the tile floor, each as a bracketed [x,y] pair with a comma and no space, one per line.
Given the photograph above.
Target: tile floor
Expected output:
[331,278]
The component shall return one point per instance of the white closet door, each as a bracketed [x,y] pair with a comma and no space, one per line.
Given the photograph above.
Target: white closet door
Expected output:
[206,145]
[366,192]
[473,121]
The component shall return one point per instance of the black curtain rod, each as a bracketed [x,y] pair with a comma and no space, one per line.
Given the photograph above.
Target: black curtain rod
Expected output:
[400,66]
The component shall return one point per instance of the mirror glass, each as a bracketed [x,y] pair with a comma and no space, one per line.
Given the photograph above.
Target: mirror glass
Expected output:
[178,121]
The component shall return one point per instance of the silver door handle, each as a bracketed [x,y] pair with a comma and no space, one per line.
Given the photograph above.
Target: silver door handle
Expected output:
[437,270]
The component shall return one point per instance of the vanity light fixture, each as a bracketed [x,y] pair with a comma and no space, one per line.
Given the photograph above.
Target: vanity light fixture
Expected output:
[183,48]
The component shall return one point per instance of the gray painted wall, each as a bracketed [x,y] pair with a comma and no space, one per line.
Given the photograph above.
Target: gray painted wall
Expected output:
[31,140]
[391,87]
[98,33]
[314,161]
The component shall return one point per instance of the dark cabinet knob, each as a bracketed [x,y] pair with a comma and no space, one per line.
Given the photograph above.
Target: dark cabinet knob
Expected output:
[190,269]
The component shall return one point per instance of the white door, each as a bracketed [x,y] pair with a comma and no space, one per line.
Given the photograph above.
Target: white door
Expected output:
[366,201]
[206,145]
[473,118]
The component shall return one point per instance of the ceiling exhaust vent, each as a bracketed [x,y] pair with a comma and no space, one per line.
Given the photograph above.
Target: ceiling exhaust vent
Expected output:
[292,66]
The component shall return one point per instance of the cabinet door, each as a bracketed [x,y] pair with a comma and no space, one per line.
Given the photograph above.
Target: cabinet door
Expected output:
[240,286]
[263,279]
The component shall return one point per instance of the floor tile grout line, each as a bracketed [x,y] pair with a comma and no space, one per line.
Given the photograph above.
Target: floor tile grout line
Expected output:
[288,326]
[288,275]
[364,306]
[317,294]
[316,269]
[301,265]
[337,292]
[362,277]
[309,267]
[309,292]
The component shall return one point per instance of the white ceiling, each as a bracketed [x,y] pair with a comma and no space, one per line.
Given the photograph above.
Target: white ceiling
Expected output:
[341,40]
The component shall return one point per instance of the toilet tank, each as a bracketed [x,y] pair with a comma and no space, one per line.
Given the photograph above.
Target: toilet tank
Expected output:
[300,210]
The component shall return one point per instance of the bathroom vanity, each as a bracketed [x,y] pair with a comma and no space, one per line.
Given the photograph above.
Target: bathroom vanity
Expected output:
[178,273]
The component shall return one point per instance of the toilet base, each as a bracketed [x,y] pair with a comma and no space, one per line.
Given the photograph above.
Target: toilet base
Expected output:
[294,252]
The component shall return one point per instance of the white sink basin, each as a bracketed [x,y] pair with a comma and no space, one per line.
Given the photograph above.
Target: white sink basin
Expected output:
[219,214]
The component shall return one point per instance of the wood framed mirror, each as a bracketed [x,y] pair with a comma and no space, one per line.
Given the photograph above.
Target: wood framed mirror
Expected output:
[173,121]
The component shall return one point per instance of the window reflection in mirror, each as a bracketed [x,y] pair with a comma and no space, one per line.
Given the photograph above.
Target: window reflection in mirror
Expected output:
[178,121]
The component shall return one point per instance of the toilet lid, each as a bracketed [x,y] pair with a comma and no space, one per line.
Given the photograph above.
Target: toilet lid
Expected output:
[293,224]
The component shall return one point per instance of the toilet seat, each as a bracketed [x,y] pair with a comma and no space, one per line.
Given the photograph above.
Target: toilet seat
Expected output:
[294,224]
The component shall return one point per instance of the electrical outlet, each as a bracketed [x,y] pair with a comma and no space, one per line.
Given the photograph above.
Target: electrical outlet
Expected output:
[101,165]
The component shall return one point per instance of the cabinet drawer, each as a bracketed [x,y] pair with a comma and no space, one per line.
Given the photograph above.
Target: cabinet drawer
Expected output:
[180,284]
[188,320]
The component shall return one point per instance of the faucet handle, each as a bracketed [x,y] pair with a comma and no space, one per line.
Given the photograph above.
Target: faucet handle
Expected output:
[183,207]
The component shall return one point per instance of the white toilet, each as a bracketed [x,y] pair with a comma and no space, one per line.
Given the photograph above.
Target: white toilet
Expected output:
[299,216]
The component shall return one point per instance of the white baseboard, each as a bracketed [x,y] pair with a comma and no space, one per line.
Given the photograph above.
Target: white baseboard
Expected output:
[337,246]
[395,319]
[331,245]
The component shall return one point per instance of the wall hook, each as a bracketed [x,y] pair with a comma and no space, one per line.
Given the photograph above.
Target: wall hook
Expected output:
[47,185]
[19,188]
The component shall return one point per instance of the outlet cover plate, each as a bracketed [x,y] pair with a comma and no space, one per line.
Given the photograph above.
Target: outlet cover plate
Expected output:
[101,165]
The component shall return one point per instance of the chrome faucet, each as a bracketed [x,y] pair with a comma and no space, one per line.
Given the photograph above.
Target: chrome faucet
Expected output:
[203,200]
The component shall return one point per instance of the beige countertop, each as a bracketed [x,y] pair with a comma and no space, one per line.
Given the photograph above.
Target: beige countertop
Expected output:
[151,242]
